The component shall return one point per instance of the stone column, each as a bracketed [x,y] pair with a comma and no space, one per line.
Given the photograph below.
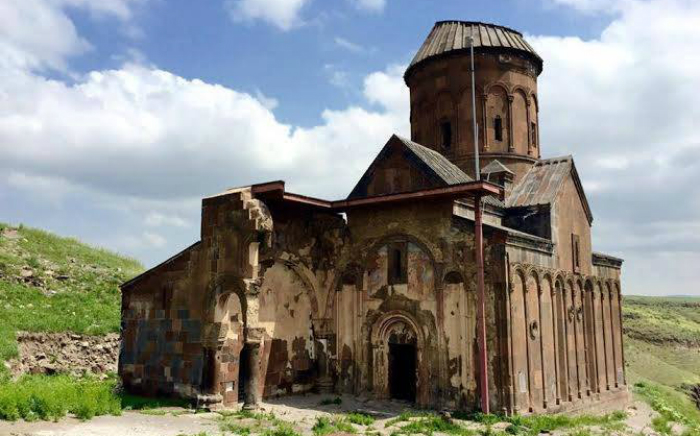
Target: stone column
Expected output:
[253,384]
[511,144]
[484,121]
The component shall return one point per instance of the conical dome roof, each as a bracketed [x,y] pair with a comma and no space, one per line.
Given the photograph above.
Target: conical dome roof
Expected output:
[452,36]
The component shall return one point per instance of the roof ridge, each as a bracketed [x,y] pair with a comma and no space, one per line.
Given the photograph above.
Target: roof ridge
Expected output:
[478,23]
[557,159]
[439,157]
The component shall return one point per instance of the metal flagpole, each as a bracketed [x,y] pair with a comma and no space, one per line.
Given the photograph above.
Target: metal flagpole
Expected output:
[479,242]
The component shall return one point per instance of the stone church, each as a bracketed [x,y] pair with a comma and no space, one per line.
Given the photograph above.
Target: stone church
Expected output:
[376,294]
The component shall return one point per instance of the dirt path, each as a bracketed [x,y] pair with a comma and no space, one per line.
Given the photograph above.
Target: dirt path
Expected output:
[129,424]
[302,411]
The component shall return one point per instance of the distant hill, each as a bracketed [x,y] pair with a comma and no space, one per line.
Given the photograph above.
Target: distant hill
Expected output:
[54,284]
[662,350]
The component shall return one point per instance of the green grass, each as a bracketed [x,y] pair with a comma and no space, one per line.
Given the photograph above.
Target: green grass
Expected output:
[40,397]
[236,428]
[360,418]
[135,402]
[78,286]
[284,429]
[406,415]
[536,424]
[673,407]
[325,425]
[667,320]
[430,424]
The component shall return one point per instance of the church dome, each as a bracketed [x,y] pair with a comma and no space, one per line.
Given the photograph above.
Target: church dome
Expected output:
[448,37]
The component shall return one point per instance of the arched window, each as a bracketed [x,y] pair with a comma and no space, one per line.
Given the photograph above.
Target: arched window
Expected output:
[397,264]
[498,127]
[446,130]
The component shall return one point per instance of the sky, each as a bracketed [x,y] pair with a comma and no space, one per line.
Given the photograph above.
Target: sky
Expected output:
[118,116]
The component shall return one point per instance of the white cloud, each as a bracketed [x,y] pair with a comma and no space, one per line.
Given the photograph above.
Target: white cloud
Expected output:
[144,144]
[590,6]
[156,219]
[145,132]
[284,14]
[622,104]
[154,239]
[37,34]
[370,5]
[348,45]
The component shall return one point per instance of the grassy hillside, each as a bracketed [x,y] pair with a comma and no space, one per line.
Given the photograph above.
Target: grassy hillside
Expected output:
[54,284]
[662,351]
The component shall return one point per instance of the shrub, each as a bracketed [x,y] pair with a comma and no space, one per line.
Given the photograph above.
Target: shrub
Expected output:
[360,418]
[331,401]
[325,425]
[52,397]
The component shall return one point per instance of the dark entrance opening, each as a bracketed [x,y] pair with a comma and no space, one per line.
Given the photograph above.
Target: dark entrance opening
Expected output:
[402,371]
[243,370]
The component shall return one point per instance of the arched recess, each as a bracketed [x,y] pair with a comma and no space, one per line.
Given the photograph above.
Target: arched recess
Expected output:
[465,127]
[229,310]
[617,325]
[398,327]
[534,126]
[519,123]
[446,114]
[561,338]
[520,340]
[286,308]
[497,119]
[348,308]
[460,336]
[571,357]
[547,322]
[590,334]
[600,335]
[583,382]
[421,265]
[609,335]
[532,309]
[225,312]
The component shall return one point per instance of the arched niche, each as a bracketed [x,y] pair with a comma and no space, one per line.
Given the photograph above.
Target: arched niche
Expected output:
[497,119]
[229,315]
[520,127]
[403,263]
[446,117]
[532,308]
[534,126]
[549,359]
[520,338]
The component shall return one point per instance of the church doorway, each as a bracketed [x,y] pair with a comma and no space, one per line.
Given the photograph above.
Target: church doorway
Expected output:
[402,371]
[243,372]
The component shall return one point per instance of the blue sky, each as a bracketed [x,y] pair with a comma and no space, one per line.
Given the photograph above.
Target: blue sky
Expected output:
[117,116]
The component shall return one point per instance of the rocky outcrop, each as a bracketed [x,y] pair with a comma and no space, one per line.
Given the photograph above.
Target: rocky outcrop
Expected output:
[51,353]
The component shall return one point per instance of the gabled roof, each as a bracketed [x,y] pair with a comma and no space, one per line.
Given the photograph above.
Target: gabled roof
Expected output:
[433,164]
[453,36]
[495,167]
[542,183]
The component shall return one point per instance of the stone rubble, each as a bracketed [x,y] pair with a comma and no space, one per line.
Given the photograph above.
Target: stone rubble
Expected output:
[51,353]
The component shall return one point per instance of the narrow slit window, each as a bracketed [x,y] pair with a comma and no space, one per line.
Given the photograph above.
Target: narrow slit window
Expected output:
[498,128]
[533,132]
[446,129]
[576,252]
[397,265]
